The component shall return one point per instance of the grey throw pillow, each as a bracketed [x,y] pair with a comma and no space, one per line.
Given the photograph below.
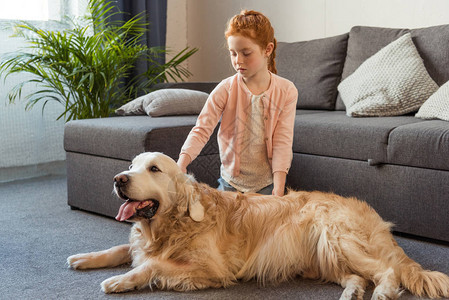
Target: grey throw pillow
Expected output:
[134,107]
[166,102]
[169,102]
[437,106]
[392,82]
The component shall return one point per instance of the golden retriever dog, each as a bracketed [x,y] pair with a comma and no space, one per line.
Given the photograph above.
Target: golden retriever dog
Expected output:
[188,236]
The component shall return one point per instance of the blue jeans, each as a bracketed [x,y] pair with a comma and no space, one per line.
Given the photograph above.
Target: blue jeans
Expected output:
[224,186]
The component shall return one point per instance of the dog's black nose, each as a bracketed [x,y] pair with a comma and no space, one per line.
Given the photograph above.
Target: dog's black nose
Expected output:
[121,179]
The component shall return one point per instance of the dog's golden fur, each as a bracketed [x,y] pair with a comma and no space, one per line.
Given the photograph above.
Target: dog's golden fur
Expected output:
[201,238]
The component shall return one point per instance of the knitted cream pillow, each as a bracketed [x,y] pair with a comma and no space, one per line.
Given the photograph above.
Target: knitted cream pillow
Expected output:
[392,82]
[166,102]
[437,106]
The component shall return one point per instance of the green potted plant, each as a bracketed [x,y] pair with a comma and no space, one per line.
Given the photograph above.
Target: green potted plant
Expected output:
[88,68]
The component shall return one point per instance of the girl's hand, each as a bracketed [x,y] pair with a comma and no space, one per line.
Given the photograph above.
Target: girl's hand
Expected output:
[183,169]
[279,183]
[183,161]
[278,192]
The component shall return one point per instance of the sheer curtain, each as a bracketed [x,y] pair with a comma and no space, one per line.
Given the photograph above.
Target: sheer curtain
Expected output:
[31,142]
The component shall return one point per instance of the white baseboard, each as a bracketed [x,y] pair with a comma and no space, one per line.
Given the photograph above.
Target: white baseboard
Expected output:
[25,172]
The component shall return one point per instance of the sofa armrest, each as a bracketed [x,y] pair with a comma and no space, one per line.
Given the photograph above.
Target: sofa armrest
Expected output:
[206,87]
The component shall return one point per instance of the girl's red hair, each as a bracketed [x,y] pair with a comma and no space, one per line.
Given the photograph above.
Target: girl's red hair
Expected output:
[254,25]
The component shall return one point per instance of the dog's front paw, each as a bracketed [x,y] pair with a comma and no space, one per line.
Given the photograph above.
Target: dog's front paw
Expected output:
[117,284]
[79,261]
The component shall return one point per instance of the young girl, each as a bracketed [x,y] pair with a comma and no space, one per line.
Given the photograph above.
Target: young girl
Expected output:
[257,110]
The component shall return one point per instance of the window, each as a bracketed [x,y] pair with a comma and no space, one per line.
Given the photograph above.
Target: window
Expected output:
[41,10]
[31,142]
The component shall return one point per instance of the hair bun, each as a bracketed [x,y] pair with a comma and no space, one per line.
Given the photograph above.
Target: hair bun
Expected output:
[246,12]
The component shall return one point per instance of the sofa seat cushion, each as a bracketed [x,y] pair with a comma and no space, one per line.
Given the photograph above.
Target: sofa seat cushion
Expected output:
[424,144]
[336,135]
[307,112]
[125,137]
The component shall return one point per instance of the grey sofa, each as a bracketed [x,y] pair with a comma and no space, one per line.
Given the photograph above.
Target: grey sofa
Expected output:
[399,165]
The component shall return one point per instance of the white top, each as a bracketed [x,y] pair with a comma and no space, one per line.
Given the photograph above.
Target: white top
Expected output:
[255,169]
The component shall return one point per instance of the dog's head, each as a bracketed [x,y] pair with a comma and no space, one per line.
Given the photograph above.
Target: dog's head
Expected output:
[154,184]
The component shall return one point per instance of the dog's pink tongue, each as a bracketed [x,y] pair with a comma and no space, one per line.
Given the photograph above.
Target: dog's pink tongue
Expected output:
[127,210]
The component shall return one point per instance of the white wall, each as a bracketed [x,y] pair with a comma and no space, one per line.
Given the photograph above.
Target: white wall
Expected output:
[203,23]
[176,26]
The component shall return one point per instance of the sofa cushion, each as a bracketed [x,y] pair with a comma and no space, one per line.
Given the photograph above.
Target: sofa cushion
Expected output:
[423,144]
[308,111]
[315,68]
[431,43]
[337,135]
[363,42]
[170,102]
[134,107]
[437,106]
[166,102]
[125,137]
[394,81]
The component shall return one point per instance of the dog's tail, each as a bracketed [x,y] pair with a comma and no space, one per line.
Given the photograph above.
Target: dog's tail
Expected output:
[422,282]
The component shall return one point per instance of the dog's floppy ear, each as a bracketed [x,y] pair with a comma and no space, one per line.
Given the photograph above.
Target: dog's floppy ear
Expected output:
[190,202]
[196,209]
